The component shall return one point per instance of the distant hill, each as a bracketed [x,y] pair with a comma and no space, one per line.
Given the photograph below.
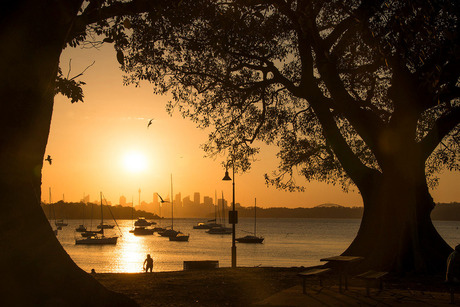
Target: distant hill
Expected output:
[442,211]
[321,211]
[329,206]
[446,212]
[62,210]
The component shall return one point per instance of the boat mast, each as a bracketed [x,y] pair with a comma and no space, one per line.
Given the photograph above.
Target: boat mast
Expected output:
[255,208]
[172,206]
[51,208]
[215,206]
[132,212]
[223,209]
[102,218]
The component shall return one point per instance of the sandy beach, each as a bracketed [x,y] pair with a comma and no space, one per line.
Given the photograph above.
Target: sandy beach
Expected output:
[267,286]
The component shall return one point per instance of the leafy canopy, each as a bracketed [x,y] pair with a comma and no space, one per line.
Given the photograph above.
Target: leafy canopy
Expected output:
[336,85]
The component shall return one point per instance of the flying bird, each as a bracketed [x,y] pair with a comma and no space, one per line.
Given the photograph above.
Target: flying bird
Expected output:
[150,122]
[49,159]
[161,199]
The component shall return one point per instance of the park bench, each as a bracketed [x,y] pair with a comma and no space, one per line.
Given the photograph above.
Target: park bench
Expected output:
[371,276]
[318,272]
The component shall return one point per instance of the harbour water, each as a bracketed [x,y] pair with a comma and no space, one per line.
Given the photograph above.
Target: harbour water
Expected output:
[288,242]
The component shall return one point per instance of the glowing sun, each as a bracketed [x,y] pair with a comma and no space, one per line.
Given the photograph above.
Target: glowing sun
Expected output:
[135,162]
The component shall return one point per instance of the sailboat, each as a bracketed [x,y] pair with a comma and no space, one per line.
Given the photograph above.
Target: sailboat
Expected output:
[210,223]
[140,229]
[52,214]
[251,238]
[82,227]
[172,234]
[61,223]
[221,230]
[97,237]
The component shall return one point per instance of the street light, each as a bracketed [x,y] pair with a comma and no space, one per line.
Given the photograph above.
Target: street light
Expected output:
[232,215]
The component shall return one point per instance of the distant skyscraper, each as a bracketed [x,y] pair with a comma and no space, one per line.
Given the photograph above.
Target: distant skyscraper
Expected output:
[122,200]
[207,201]
[197,198]
[178,199]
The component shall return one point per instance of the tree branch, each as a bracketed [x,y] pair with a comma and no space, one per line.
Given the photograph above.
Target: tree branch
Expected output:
[442,127]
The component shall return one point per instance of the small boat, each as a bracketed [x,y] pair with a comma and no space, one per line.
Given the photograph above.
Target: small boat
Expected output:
[143,222]
[200,226]
[158,229]
[96,237]
[89,233]
[180,237]
[105,226]
[140,226]
[80,228]
[251,238]
[142,231]
[220,231]
[208,225]
[97,240]
[60,223]
[168,233]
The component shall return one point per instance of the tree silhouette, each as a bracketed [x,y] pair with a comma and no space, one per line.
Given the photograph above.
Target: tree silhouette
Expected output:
[350,91]
[36,271]
[362,93]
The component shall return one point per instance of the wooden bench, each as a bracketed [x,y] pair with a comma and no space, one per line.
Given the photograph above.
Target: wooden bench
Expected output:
[370,276]
[312,272]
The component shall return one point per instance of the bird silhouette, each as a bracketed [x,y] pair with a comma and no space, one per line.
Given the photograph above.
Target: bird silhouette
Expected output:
[161,199]
[150,122]
[49,159]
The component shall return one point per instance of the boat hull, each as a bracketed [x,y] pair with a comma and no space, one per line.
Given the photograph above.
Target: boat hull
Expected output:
[143,222]
[168,233]
[250,239]
[105,226]
[97,241]
[206,226]
[80,228]
[141,231]
[220,231]
[179,238]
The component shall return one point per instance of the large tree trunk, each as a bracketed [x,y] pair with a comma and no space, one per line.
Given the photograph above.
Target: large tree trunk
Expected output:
[35,269]
[396,232]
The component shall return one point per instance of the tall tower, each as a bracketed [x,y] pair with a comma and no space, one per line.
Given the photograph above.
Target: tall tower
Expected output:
[197,198]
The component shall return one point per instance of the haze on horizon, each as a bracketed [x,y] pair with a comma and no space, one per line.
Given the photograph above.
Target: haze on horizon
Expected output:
[104,144]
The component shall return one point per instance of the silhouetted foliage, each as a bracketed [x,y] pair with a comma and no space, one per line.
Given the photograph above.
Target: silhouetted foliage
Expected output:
[351,92]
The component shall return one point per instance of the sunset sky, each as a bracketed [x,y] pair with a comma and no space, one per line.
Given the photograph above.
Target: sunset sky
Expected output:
[104,145]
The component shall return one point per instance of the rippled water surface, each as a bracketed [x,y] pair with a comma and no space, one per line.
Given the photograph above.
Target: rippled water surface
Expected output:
[288,242]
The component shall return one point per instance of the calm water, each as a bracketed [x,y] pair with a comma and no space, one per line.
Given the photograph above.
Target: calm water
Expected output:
[288,242]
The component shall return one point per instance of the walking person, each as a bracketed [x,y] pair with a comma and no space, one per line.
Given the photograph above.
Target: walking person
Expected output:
[148,264]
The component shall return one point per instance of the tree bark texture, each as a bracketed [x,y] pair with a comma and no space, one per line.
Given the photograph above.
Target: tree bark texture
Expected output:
[396,232]
[35,269]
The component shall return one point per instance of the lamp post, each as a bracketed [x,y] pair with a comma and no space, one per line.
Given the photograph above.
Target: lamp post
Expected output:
[232,215]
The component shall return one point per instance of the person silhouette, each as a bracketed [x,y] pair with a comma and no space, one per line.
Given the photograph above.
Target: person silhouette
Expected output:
[453,266]
[149,262]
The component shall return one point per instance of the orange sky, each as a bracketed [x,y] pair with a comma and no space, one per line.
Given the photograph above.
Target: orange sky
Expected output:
[89,143]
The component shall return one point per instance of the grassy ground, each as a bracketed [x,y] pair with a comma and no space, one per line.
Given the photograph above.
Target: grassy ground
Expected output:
[233,287]
[218,287]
